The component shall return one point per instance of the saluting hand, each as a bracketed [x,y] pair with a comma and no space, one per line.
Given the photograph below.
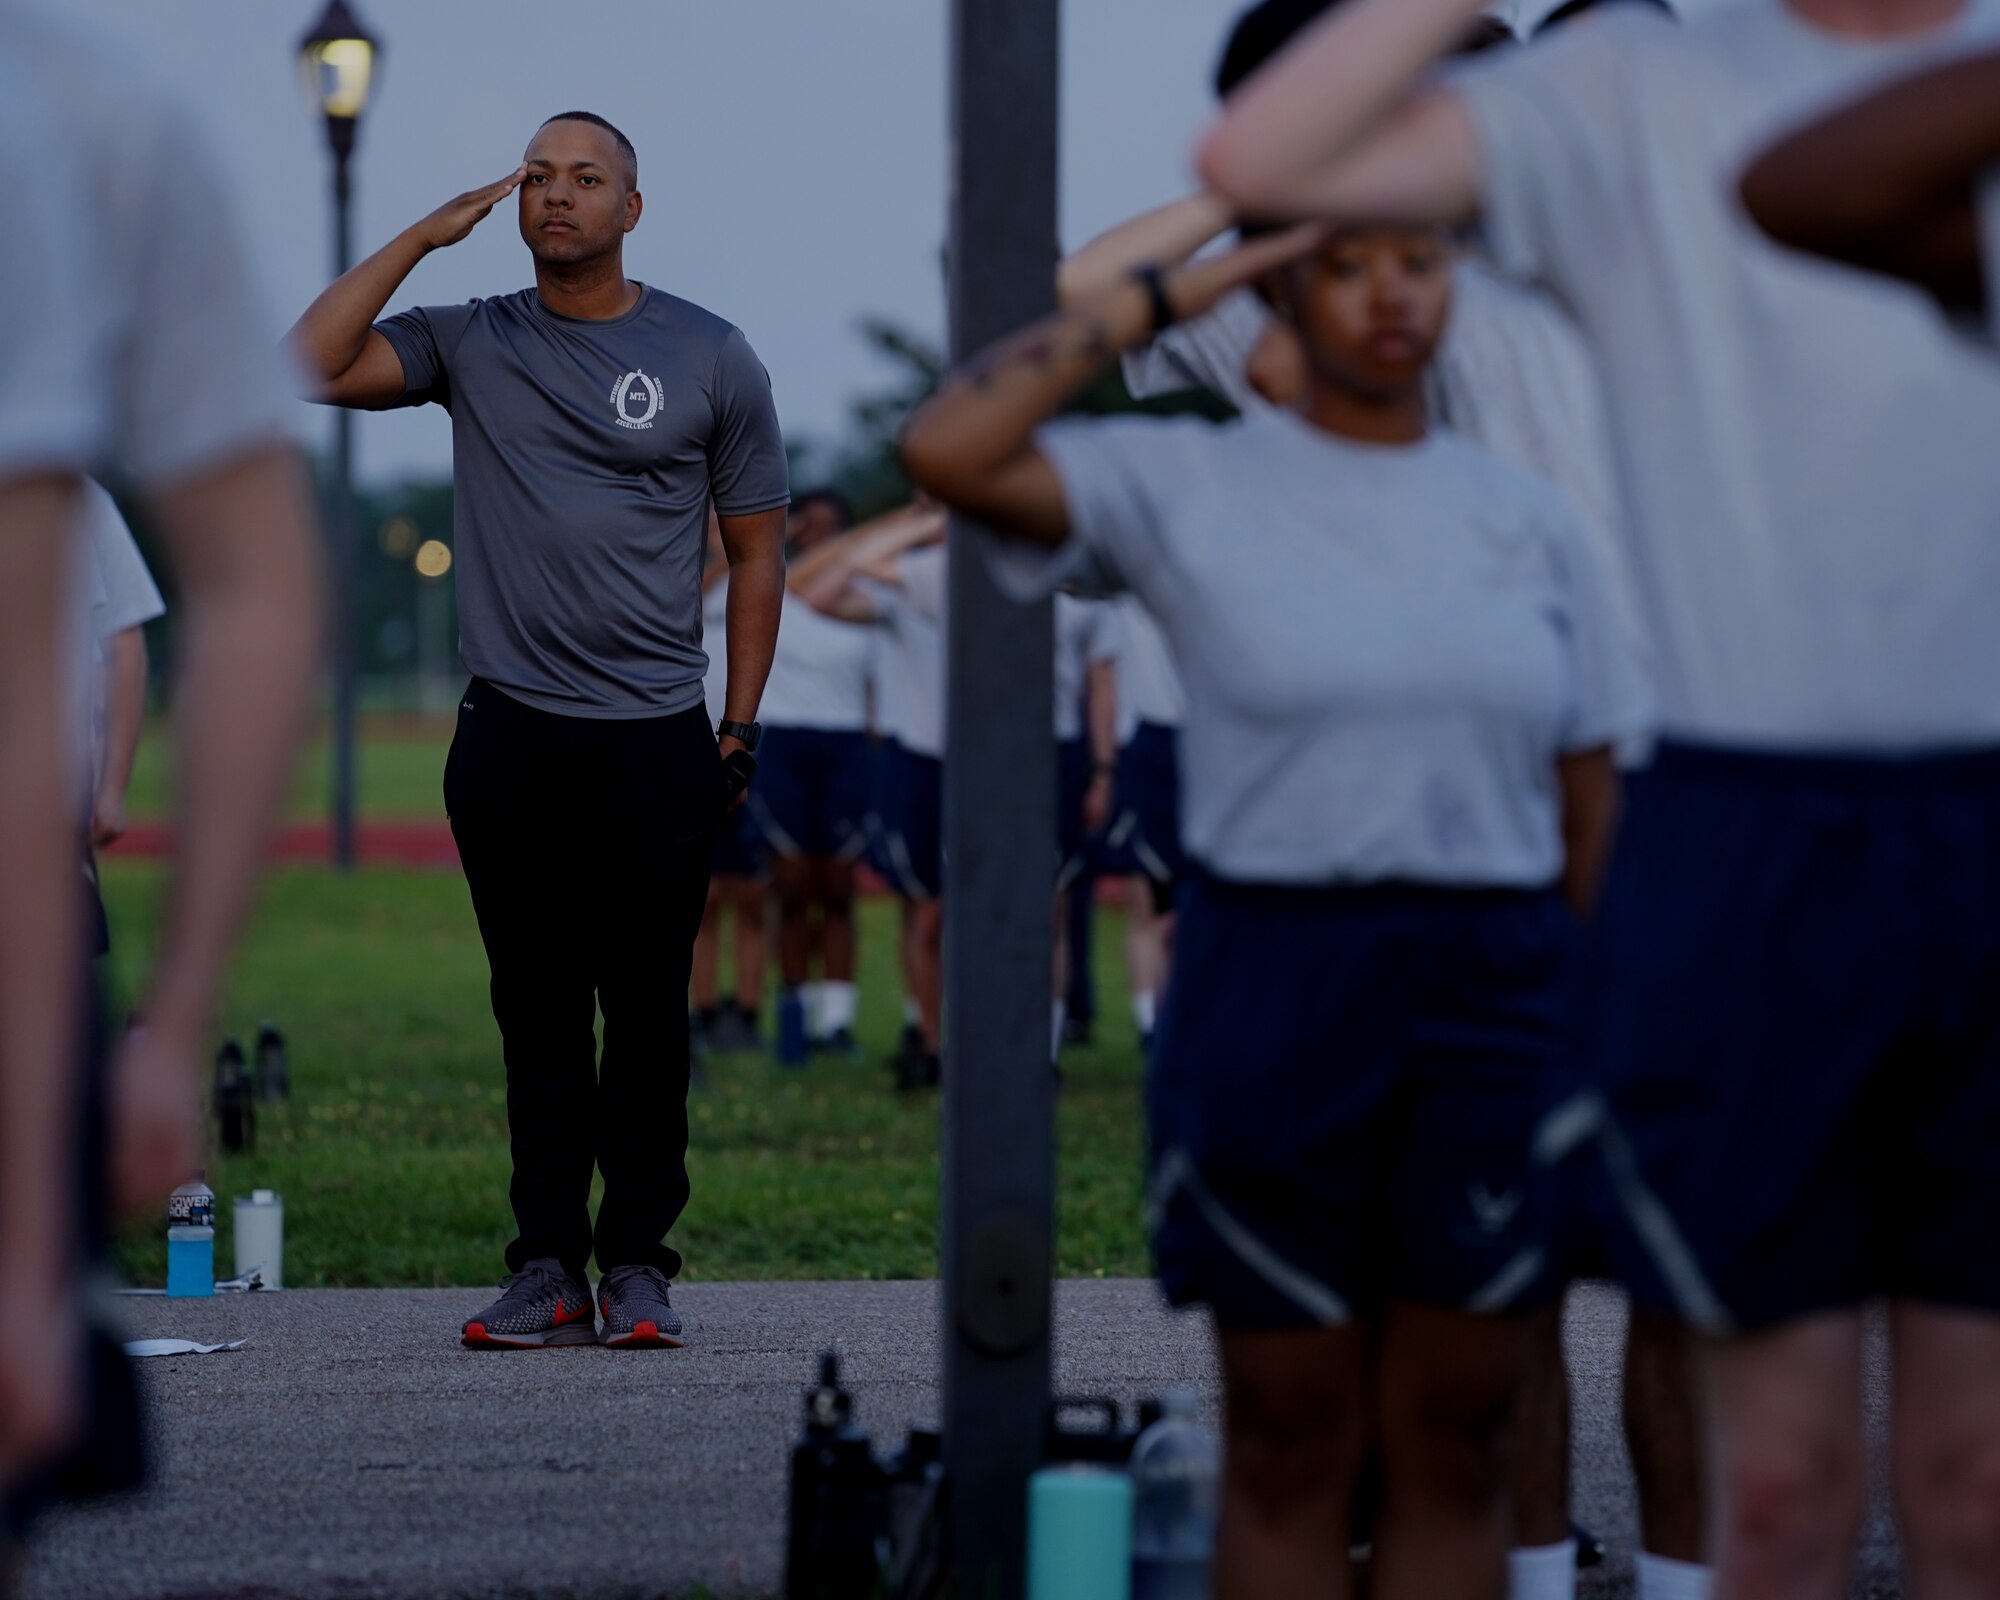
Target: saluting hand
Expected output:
[453,220]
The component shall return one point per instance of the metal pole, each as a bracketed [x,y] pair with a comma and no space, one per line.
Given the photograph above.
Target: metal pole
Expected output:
[999,1093]
[340,531]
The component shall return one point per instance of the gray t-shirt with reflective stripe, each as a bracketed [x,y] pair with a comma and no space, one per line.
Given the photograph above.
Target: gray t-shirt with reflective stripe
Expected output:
[585,456]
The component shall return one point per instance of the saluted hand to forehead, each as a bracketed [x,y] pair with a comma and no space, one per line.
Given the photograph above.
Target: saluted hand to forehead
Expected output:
[453,220]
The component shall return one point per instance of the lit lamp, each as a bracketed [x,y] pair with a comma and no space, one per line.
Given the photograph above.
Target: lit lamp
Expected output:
[337,58]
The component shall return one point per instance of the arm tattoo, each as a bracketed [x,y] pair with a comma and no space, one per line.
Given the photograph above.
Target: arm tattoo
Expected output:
[1066,339]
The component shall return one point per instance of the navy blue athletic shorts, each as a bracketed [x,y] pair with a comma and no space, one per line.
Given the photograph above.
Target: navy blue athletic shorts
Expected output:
[911,847]
[1796,1024]
[811,797]
[1146,827]
[739,847]
[1345,1096]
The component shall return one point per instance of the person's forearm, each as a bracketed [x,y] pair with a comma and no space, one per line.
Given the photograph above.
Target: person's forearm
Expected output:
[124,714]
[1591,800]
[1101,706]
[243,542]
[1165,236]
[41,950]
[882,541]
[988,410]
[756,600]
[839,550]
[327,340]
[1312,108]
[1872,183]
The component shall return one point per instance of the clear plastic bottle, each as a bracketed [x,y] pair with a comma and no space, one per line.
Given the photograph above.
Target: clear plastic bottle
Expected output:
[1177,1483]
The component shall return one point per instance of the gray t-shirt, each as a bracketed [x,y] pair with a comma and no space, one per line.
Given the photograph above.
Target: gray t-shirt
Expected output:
[1806,453]
[584,458]
[1384,650]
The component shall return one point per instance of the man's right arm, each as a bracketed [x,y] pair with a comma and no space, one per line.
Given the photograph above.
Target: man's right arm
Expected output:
[345,361]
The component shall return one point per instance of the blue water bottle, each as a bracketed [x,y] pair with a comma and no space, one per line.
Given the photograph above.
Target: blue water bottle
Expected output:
[794,1048]
[191,1240]
[1079,1533]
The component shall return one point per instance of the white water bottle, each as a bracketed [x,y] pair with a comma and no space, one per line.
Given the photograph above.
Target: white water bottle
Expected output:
[1177,1489]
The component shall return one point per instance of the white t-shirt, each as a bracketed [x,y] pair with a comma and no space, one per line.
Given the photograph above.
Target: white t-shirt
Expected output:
[1810,484]
[1384,650]
[1989,248]
[189,371]
[1086,633]
[115,591]
[819,677]
[1512,374]
[910,677]
[54,405]
[1149,690]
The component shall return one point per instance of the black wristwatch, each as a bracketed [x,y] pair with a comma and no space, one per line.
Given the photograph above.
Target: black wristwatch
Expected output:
[748,734]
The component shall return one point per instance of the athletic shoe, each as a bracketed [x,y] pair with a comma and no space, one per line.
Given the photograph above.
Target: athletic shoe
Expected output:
[637,1316]
[543,1305]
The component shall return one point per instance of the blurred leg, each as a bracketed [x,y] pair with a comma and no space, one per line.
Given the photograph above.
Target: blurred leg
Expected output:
[1296,1421]
[1945,1445]
[792,884]
[747,896]
[1663,1434]
[1541,1437]
[706,979]
[1448,1383]
[836,900]
[1785,1409]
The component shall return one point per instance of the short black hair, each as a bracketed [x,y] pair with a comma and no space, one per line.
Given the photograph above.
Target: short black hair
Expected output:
[1570,10]
[1266,29]
[596,121]
[826,497]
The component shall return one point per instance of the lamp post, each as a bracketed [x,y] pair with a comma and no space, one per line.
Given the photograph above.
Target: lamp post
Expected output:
[338,57]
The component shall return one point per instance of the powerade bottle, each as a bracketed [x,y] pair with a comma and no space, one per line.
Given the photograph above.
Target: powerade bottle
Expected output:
[192,1205]
[1177,1486]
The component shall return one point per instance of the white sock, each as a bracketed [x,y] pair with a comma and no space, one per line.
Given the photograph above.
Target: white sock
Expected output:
[1663,1578]
[837,1005]
[1542,1572]
[913,1014]
[1142,1012]
[1058,1015]
[812,996]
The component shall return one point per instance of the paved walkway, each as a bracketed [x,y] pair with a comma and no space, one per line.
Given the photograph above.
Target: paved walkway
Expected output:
[354,1450]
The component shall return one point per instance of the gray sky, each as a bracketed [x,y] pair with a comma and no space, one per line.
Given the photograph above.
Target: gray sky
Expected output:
[792,152]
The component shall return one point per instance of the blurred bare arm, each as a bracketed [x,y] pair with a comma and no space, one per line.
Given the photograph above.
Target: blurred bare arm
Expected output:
[124,714]
[40,956]
[874,547]
[1100,700]
[1340,125]
[1890,183]
[1165,236]
[1591,793]
[242,541]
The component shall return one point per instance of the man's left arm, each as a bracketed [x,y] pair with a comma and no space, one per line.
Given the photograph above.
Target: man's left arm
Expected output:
[756,547]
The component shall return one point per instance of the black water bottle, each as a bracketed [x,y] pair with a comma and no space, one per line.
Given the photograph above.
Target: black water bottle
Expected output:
[234,1099]
[834,1549]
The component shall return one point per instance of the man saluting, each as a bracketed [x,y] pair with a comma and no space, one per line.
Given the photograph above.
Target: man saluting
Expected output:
[593,420]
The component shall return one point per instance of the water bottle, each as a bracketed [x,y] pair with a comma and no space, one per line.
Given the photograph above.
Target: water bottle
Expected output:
[192,1205]
[794,1047]
[1177,1486]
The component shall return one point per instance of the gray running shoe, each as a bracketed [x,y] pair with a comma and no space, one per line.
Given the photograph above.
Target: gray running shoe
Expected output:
[543,1305]
[633,1303]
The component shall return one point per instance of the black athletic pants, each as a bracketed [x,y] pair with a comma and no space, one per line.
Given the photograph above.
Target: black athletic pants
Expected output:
[586,845]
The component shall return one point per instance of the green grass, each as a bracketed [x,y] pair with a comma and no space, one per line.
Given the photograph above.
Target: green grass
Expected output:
[392,1153]
[399,772]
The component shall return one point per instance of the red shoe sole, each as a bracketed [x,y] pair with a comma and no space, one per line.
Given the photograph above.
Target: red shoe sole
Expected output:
[475,1337]
[644,1336]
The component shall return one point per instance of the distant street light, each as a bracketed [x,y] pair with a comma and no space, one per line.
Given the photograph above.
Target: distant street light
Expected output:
[338,57]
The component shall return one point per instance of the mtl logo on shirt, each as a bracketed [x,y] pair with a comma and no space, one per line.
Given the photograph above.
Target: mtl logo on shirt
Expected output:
[636,400]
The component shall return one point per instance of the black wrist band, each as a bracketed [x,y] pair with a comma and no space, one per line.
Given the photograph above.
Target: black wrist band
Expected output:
[1151,279]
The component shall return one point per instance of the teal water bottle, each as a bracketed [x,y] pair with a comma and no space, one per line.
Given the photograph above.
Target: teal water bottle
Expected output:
[1079,1533]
